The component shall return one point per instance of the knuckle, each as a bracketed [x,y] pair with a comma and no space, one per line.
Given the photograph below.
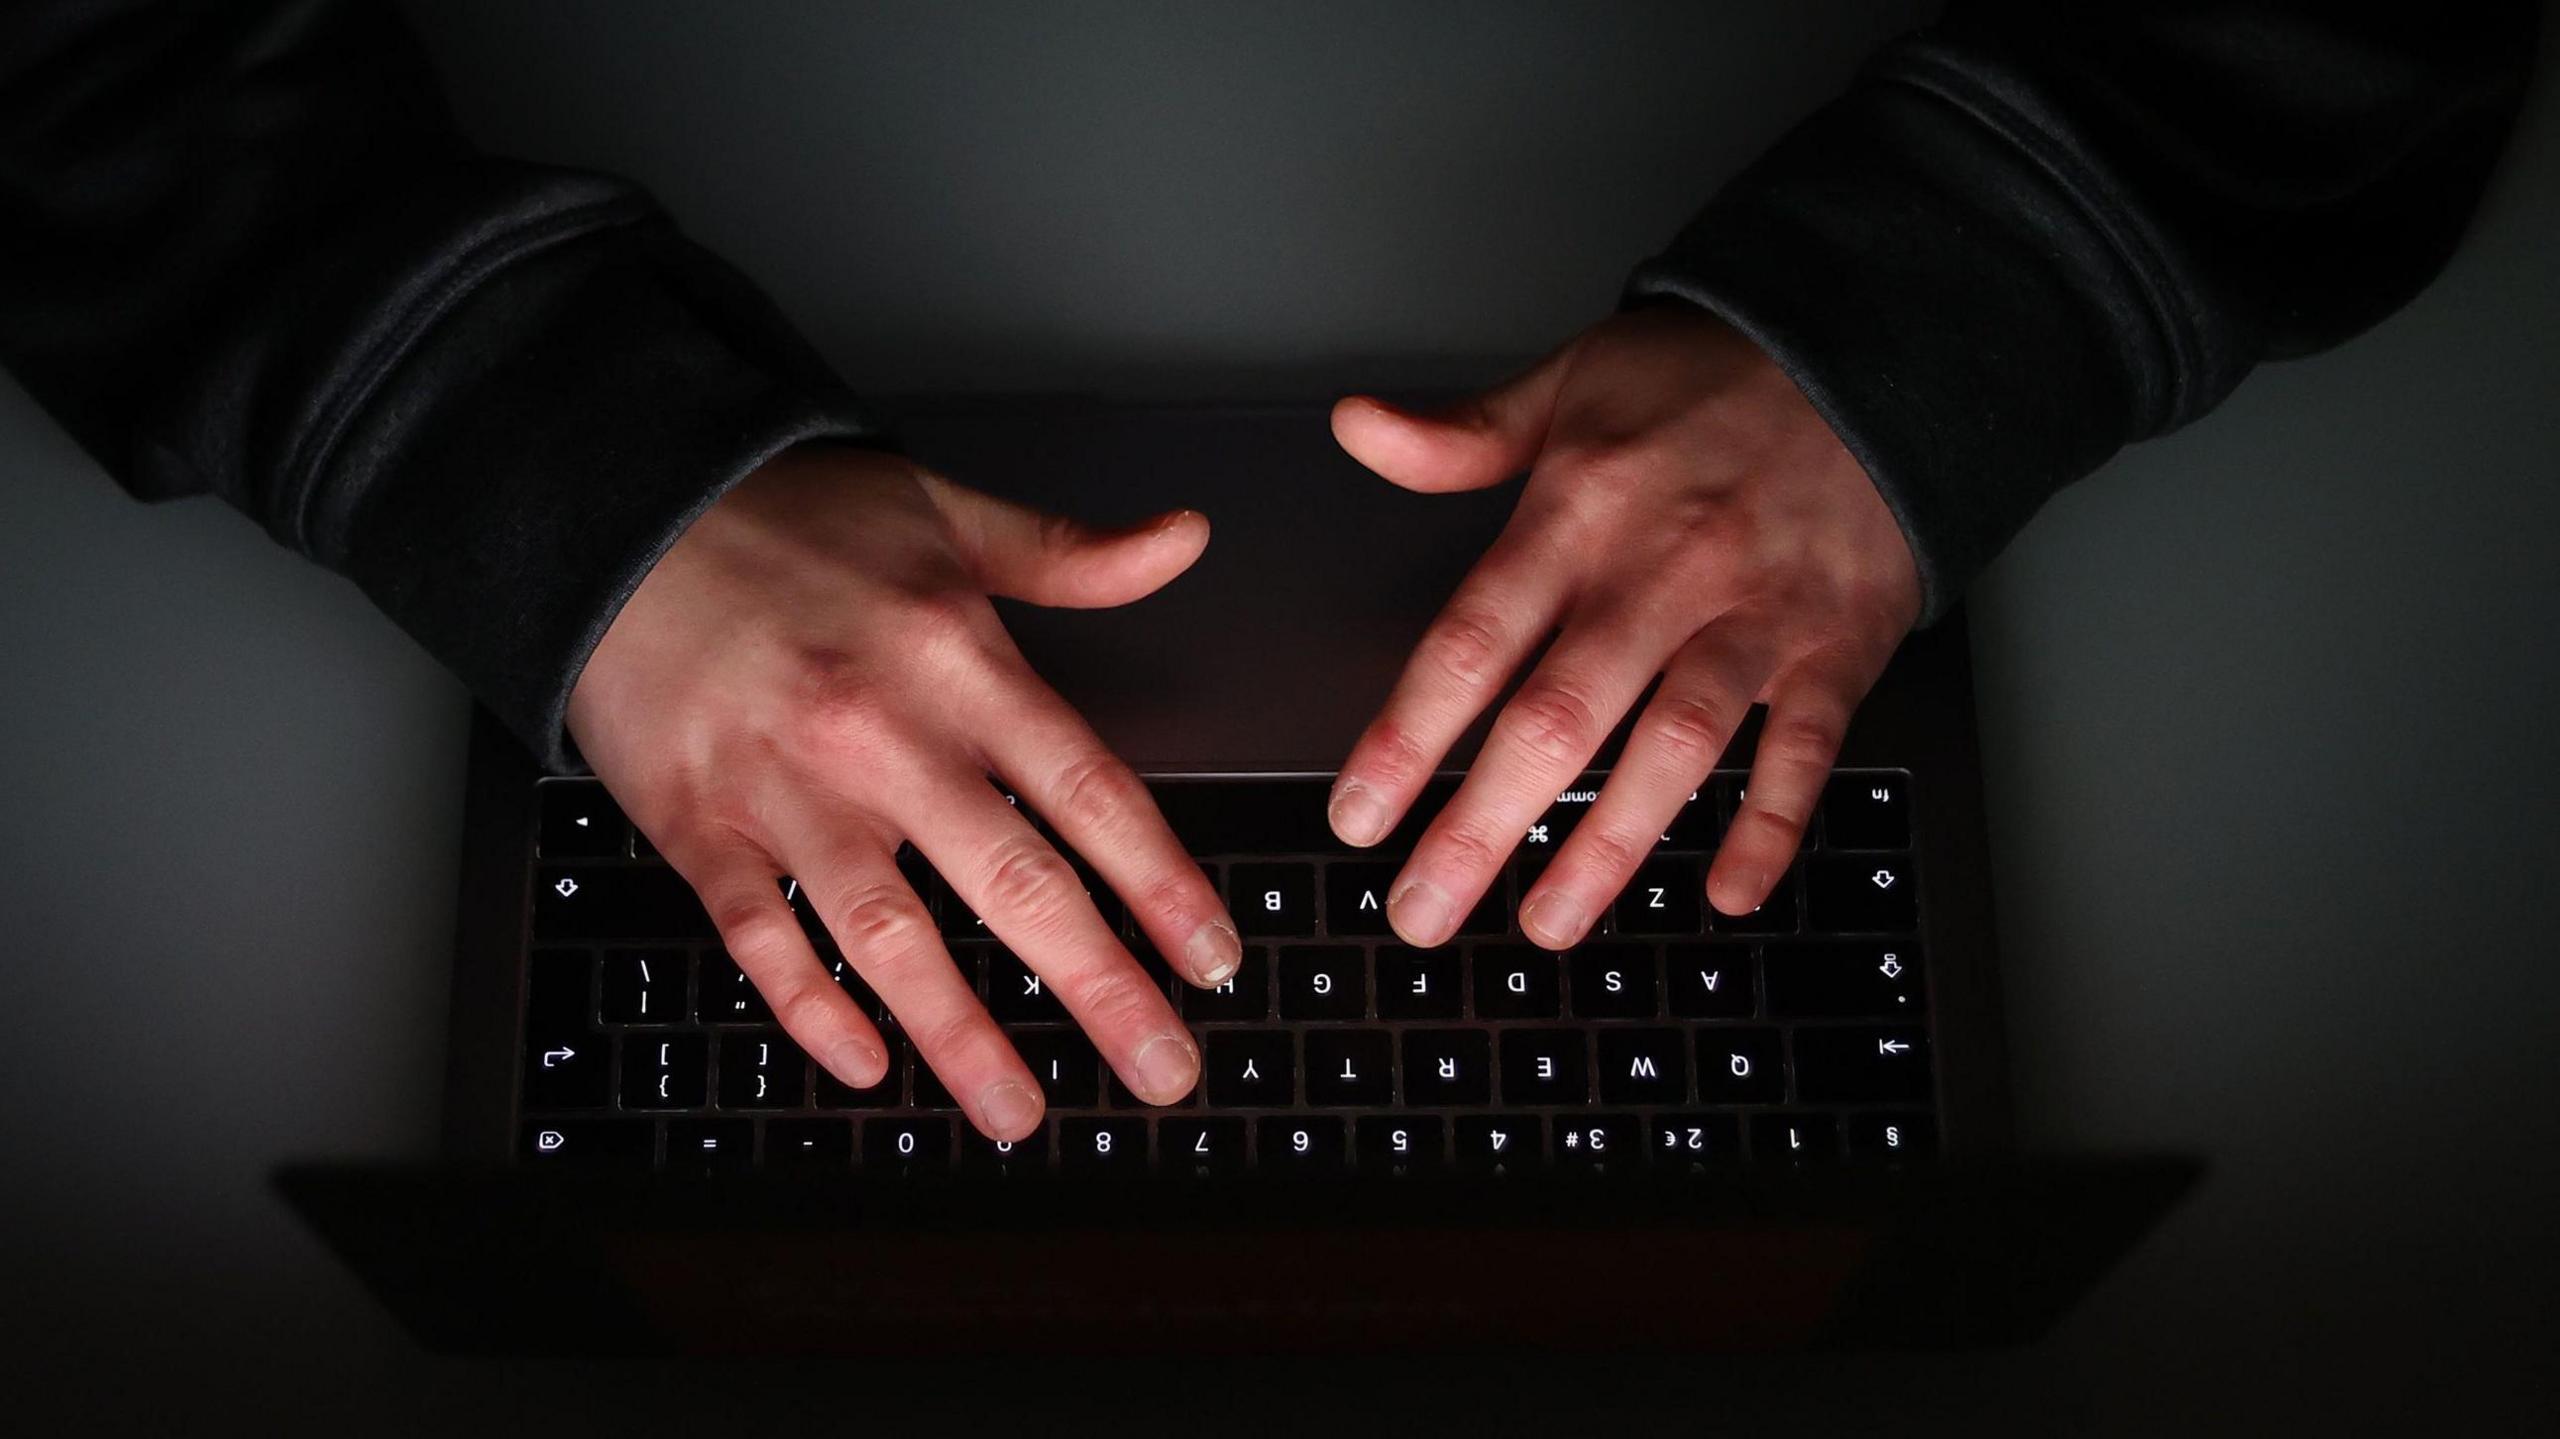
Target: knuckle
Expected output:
[757,937]
[1609,855]
[1462,647]
[1807,740]
[1391,757]
[1028,883]
[952,1040]
[1094,791]
[842,700]
[1110,995]
[801,1009]
[1692,729]
[1465,848]
[1552,720]
[879,920]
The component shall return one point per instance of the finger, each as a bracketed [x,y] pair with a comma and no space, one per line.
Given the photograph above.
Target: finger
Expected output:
[1050,559]
[1480,441]
[1542,739]
[1500,612]
[1101,808]
[1033,901]
[741,891]
[1705,694]
[1809,708]
[887,936]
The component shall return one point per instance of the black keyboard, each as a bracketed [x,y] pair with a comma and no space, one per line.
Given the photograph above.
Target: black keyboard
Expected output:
[1675,1038]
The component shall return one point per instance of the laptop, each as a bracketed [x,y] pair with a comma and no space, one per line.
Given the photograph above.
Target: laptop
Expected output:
[1694,1131]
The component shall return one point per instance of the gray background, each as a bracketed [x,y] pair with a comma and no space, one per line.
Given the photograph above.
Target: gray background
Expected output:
[2262,703]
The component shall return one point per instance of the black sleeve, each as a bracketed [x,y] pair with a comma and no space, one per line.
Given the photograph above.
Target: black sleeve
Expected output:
[243,251]
[2037,232]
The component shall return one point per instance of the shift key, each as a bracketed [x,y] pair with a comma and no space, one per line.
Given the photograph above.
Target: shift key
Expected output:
[615,902]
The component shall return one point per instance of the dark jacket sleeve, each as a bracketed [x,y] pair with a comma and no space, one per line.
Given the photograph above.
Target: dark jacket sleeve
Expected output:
[244,251]
[2035,233]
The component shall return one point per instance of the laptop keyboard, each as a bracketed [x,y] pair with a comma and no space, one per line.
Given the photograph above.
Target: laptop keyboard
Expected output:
[1675,1038]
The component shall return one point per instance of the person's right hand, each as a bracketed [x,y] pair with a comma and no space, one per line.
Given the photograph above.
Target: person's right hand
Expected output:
[811,674]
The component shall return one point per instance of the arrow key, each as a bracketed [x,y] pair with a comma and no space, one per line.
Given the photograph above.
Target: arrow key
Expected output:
[581,821]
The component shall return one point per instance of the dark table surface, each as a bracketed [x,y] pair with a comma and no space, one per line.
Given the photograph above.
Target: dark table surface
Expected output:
[2265,709]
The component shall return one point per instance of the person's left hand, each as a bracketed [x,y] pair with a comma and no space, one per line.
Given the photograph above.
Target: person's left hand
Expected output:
[1688,515]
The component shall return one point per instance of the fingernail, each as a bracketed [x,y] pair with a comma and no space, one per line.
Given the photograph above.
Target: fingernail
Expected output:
[1213,951]
[1008,1109]
[1168,1065]
[1555,919]
[1420,912]
[852,1058]
[1358,815]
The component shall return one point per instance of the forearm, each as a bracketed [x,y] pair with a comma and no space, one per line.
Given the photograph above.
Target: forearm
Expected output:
[2033,235]
[253,257]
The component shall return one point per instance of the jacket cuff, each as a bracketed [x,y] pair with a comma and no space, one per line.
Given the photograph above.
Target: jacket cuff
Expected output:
[526,461]
[1944,299]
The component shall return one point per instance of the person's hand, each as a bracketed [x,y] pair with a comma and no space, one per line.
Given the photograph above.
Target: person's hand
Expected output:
[1688,515]
[813,673]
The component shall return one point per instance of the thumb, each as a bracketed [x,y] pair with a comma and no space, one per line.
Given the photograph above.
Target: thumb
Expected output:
[1477,442]
[1047,559]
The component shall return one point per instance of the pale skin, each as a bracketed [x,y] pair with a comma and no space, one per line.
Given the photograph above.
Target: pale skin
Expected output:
[813,673]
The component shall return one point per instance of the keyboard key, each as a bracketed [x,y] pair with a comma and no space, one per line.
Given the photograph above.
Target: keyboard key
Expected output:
[645,986]
[664,1071]
[1448,1067]
[1794,1138]
[1418,983]
[710,1146]
[1695,1142]
[581,821]
[1864,1064]
[1551,828]
[808,1144]
[1663,898]
[1303,1144]
[1201,1148]
[1245,994]
[1699,825]
[1323,982]
[1350,1066]
[1776,915]
[556,1000]
[1893,1136]
[761,1069]
[728,996]
[1861,894]
[630,1143]
[1517,981]
[1066,1064]
[1271,899]
[1709,981]
[1401,1144]
[954,916]
[1599,1143]
[928,1088]
[1355,897]
[1845,981]
[1740,1066]
[612,903]
[1006,1159]
[1870,810]
[567,1072]
[1643,1066]
[1253,1069]
[1102,1146]
[1015,995]
[1501,1143]
[1544,1066]
[906,1146]
[1277,816]
[1613,981]
[841,970]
